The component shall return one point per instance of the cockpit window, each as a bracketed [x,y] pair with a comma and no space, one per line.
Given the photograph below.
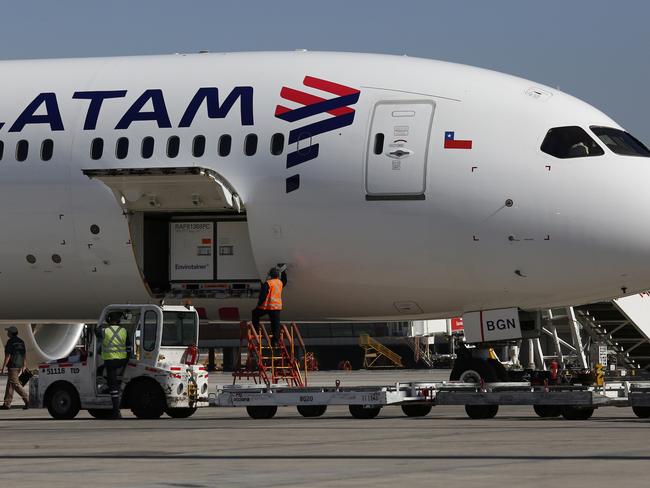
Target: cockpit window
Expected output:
[621,142]
[570,142]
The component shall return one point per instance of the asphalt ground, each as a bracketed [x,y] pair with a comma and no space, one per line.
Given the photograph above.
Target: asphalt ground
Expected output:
[224,447]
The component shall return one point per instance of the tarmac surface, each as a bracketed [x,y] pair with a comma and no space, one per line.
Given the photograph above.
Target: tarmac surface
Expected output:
[224,447]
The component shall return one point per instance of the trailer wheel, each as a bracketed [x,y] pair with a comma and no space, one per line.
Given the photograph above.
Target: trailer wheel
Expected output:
[100,413]
[62,401]
[418,410]
[147,400]
[364,412]
[570,412]
[481,411]
[180,413]
[547,411]
[473,370]
[261,412]
[641,412]
[311,410]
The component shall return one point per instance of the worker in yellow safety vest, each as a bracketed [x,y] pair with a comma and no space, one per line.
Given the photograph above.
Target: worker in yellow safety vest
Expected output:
[270,302]
[116,349]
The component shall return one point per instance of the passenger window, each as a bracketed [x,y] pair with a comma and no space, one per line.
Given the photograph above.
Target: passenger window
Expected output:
[198,146]
[225,143]
[147,147]
[570,142]
[379,143]
[2,149]
[47,149]
[173,146]
[122,148]
[277,144]
[150,331]
[621,142]
[250,144]
[97,148]
[22,150]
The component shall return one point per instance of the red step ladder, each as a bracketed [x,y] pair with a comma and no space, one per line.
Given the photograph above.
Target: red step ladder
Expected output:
[266,364]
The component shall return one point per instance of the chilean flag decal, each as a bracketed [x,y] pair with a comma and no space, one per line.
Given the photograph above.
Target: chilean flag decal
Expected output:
[452,143]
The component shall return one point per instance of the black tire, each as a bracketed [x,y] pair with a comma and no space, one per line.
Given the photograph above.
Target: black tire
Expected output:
[417,410]
[499,369]
[311,410]
[100,413]
[147,400]
[62,401]
[577,413]
[547,411]
[481,411]
[641,412]
[472,370]
[180,413]
[261,412]
[364,412]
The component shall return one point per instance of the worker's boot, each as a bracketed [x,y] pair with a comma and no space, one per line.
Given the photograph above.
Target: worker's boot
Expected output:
[116,408]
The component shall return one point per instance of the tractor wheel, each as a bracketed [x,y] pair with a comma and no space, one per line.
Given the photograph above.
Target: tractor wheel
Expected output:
[641,412]
[100,413]
[472,370]
[180,413]
[147,400]
[62,401]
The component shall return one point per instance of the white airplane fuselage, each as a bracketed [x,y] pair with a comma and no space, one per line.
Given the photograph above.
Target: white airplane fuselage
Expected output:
[419,230]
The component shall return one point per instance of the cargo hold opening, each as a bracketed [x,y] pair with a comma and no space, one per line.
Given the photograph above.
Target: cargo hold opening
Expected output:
[188,231]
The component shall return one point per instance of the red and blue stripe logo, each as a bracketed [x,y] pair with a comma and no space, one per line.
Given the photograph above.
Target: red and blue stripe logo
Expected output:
[337,109]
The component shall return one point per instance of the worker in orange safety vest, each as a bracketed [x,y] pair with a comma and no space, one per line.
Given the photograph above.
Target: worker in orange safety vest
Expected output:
[270,302]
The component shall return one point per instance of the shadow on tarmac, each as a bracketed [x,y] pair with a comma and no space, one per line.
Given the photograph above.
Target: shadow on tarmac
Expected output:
[316,457]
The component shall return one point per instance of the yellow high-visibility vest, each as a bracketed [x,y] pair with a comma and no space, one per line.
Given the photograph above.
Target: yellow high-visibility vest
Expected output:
[114,343]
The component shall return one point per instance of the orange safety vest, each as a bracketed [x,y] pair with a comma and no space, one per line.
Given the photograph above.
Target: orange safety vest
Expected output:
[274,298]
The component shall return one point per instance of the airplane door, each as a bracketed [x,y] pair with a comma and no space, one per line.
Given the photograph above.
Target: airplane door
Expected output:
[397,152]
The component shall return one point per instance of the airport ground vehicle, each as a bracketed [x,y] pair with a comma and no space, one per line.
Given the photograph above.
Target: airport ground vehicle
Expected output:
[481,401]
[159,377]
[550,394]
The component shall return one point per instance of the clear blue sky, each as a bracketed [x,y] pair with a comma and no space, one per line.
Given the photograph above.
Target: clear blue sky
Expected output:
[598,50]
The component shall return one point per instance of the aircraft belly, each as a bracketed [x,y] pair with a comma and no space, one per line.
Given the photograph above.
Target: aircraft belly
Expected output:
[53,266]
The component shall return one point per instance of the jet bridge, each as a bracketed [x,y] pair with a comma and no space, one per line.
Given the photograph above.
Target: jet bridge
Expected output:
[188,229]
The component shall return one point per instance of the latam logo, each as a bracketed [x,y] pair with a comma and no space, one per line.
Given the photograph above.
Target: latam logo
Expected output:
[150,106]
[340,115]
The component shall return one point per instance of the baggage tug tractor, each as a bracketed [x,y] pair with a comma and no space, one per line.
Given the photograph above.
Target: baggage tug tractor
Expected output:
[161,374]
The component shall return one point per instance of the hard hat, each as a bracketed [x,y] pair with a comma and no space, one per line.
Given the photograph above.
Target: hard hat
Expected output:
[114,317]
[12,330]
[274,272]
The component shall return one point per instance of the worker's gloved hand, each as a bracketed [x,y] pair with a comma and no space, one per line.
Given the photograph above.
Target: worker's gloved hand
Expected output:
[282,267]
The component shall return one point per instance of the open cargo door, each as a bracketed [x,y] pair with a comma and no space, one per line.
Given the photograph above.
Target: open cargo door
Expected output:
[169,189]
[188,229]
